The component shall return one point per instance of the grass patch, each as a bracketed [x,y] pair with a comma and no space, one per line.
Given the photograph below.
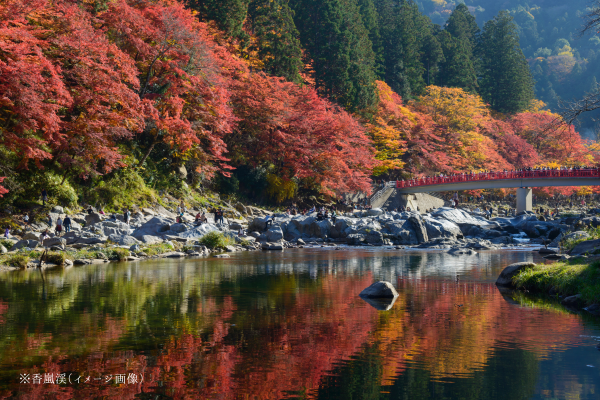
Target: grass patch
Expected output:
[121,189]
[57,258]
[117,253]
[216,240]
[17,260]
[7,243]
[568,278]
[157,249]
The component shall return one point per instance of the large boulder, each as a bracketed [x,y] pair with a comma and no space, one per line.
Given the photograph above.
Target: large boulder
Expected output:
[178,228]
[290,232]
[258,224]
[338,230]
[401,231]
[462,218]
[374,238]
[355,239]
[274,234]
[58,210]
[320,229]
[31,236]
[92,240]
[379,290]
[441,228]
[198,231]
[55,241]
[374,212]
[123,240]
[508,273]
[587,247]
[419,228]
[148,239]
[3,250]
[154,227]
[302,224]
[93,218]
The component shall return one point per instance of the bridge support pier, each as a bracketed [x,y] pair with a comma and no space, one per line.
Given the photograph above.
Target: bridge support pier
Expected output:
[524,202]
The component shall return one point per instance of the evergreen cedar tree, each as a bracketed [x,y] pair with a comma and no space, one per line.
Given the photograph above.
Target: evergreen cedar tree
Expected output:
[83,84]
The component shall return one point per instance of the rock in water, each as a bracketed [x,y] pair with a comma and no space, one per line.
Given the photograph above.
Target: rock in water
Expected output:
[379,290]
[505,278]
[381,304]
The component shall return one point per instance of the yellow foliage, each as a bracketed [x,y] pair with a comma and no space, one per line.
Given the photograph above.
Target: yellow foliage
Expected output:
[536,106]
[280,189]
[584,190]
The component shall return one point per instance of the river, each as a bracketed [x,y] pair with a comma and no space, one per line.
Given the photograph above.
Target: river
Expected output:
[274,325]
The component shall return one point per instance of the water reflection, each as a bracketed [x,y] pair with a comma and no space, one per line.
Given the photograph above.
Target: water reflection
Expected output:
[291,325]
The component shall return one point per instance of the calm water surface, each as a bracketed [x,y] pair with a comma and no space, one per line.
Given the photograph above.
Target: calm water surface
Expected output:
[290,325]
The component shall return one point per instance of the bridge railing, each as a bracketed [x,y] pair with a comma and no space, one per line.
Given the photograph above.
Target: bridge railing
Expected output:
[381,192]
[490,176]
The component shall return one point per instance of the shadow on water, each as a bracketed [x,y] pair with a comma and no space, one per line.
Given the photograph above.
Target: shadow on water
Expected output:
[273,325]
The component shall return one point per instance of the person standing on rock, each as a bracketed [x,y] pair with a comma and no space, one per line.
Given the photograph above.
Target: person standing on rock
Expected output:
[126,215]
[6,232]
[58,228]
[26,220]
[67,224]
[44,196]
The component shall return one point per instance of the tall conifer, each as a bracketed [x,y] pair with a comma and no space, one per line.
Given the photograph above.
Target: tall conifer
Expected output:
[229,15]
[507,84]
[277,42]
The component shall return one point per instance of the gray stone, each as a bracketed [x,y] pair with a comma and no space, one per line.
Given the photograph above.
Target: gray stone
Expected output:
[55,241]
[355,239]
[419,228]
[383,304]
[508,273]
[258,224]
[58,209]
[135,248]
[93,218]
[148,239]
[3,249]
[300,241]
[274,234]
[572,301]
[441,228]
[381,289]
[178,228]
[374,238]
[459,251]
[92,240]
[222,256]
[374,212]
[123,240]
[587,247]
[272,246]
[31,244]
[82,262]
[198,231]
[255,234]
[31,236]
[172,254]
[154,227]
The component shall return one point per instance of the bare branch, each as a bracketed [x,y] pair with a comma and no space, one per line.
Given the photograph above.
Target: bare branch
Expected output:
[592,20]
[570,111]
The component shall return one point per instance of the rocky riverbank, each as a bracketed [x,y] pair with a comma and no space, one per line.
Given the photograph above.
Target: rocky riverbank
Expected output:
[155,230]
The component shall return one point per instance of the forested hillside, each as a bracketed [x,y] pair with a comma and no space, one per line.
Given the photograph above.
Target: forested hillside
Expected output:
[112,101]
[564,64]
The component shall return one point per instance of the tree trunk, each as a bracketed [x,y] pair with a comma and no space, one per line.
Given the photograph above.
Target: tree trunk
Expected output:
[143,160]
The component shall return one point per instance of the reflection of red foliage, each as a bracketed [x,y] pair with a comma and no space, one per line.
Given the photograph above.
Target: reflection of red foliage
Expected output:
[3,308]
[450,329]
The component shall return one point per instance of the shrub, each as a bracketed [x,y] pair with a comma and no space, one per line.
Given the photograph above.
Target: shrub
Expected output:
[216,240]
[117,253]
[156,249]
[57,258]
[18,260]
[7,243]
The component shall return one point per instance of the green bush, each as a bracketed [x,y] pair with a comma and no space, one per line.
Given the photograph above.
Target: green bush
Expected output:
[117,253]
[6,243]
[216,240]
[17,260]
[156,249]
[57,258]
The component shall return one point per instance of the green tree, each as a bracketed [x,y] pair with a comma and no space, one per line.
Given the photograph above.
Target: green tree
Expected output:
[229,15]
[506,84]
[277,42]
[459,41]
[339,51]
